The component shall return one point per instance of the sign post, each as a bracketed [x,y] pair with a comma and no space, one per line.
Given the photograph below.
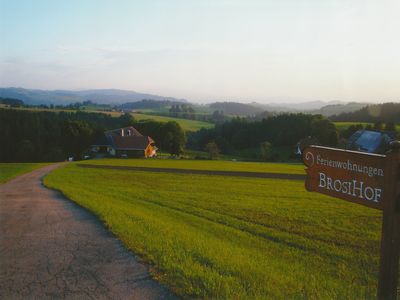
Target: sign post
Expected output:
[368,179]
[390,241]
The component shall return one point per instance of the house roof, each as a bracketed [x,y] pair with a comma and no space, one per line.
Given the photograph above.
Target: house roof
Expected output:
[103,140]
[126,131]
[131,142]
[127,138]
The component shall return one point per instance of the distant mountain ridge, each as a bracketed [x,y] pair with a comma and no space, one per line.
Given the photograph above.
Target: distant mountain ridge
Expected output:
[306,105]
[132,99]
[336,109]
[234,108]
[101,96]
[313,107]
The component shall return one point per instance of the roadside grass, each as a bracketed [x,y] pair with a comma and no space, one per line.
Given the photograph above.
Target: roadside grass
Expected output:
[234,238]
[219,165]
[187,125]
[9,171]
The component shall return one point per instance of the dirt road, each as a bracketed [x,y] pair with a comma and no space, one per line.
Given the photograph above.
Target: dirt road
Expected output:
[52,248]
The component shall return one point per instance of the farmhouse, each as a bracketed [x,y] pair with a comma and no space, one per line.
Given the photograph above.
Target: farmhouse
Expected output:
[124,142]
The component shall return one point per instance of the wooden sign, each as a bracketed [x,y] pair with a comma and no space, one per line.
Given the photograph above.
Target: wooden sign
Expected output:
[353,176]
[372,180]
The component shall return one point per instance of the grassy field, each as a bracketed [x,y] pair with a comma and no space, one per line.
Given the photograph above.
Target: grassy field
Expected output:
[234,238]
[187,125]
[203,165]
[340,126]
[10,170]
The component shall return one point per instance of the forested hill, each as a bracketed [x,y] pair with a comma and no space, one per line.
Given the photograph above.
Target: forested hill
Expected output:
[101,96]
[249,109]
[236,109]
[386,112]
[11,101]
[149,104]
[336,109]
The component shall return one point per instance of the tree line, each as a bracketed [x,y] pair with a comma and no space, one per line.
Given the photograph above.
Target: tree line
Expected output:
[281,131]
[12,102]
[148,104]
[386,112]
[53,136]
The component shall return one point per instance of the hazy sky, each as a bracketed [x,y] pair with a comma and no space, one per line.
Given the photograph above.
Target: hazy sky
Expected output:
[206,50]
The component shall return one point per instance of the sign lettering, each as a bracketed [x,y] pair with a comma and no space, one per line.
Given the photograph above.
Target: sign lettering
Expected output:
[352,176]
[352,188]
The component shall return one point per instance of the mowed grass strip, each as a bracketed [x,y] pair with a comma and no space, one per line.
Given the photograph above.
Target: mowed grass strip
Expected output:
[224,237]
[9,171]
[213,165]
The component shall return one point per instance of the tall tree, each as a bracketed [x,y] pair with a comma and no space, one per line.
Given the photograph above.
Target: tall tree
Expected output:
[213,150]
[173,139]
[77,136]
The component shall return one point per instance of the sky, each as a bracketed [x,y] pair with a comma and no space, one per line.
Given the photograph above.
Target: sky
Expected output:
[206,50]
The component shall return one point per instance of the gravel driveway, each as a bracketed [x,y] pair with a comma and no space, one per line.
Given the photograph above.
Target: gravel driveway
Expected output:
[52,248]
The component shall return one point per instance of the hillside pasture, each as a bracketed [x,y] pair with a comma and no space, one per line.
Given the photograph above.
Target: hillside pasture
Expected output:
[232,237]
[187,125]
[341,126]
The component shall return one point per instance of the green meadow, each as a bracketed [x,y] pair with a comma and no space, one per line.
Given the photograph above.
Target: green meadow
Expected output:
[231,237]
[10,170]
[340,126]
[187,125]
[215,165]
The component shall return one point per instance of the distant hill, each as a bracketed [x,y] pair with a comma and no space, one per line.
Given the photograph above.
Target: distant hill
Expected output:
[386,112]
[11,102]
[237,109]
[249,109]
[104,96]
[304,106]
[336,109]
[277,108]
[312,107]
[149,104]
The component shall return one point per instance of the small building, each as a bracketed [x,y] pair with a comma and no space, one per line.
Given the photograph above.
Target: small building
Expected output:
[124,142]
